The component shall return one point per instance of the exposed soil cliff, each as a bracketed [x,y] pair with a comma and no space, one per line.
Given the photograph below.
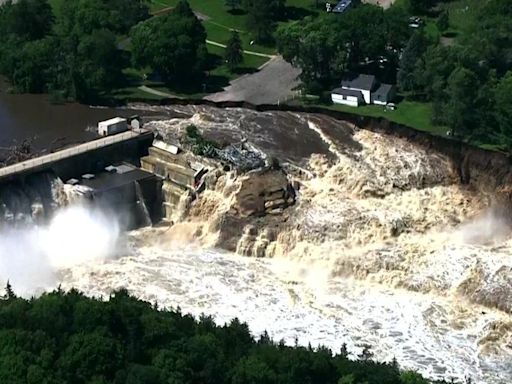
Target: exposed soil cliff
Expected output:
[486,169]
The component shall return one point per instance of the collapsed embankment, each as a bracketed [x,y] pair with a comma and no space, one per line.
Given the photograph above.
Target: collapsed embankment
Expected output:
[485,169]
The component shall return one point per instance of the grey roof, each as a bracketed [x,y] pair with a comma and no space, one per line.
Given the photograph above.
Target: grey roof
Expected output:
[347,92]
[382,93]
[342,6]
[364,82]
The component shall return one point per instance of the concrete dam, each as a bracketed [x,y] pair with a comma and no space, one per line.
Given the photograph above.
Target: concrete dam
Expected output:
[122,173]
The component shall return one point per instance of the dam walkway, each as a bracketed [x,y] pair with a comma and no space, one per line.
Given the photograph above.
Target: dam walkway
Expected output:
[46,161]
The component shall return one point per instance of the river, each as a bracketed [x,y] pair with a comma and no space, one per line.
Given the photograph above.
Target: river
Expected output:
[50,126]
[384,248]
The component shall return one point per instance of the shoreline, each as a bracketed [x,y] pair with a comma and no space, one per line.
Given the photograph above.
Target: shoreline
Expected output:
[487,169]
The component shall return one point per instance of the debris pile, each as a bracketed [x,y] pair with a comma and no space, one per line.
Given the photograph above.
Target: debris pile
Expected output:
[16,153]
[242,157]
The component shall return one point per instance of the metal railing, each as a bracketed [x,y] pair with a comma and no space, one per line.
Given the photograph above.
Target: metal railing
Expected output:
[68,152]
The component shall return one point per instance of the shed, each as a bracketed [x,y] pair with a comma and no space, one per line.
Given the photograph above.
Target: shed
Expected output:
[384,94]
[112,126]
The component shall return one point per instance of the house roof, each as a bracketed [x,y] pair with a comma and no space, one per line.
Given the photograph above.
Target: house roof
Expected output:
[364,82]
[342,6]
[382,92]
[347,92]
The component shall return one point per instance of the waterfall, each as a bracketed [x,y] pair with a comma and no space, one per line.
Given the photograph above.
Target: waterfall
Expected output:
[141,204]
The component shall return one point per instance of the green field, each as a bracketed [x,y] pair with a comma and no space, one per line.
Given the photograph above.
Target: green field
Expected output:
[218,22]
[410,113]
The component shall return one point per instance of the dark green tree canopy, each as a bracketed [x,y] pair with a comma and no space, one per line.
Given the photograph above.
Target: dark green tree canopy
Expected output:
[327,46]
[173,45]
[69,338]
[74,53]
[234,51]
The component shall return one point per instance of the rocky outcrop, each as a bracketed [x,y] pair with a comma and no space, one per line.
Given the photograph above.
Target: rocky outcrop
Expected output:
[242,210]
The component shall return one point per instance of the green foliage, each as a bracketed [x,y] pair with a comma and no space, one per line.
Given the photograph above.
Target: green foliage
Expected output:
[443,22]
[327,46]
[407,81]
[173,45]
[233,4]
[26,19]
[69,338]
[419,6]
[461,92]
[466,82]
[234,51]
[504,109]
[199,145]
[262,16]
[75,54]
[410,377]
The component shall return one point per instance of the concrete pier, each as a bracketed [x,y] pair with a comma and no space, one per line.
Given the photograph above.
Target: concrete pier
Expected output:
[83,158]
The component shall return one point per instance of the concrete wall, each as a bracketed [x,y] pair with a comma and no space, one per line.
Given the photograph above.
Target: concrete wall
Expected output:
[93,160]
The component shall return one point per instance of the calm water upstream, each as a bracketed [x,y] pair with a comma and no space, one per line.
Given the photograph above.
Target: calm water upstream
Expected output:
[49,126]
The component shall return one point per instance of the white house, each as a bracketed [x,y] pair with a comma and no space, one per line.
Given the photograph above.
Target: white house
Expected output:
[347,96]
[363,89]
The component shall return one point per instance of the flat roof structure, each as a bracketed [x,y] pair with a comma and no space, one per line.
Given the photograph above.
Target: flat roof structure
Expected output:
[105,181]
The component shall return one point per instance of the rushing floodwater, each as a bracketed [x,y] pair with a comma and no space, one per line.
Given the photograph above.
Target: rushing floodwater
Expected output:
[384,248]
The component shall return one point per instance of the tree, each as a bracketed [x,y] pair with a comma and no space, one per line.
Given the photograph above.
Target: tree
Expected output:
[233,4]
[410,377]
[173,45]
[98,64]
[460,108]
[397,27]
[33,71]
[127,13]
[417,44]
[9,293]
[27,19]
[419,6]
[234,51]
[261,16]
[503,109]
[69,338]
[443,22]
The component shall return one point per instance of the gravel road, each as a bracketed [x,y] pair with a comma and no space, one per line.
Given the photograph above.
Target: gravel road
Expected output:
[273,83]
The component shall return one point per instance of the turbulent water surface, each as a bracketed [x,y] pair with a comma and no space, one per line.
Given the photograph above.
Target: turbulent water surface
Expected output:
[384,248]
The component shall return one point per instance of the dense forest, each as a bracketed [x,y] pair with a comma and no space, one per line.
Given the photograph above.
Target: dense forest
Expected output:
[469,82]
[69,338]
[73,53]
[81,49]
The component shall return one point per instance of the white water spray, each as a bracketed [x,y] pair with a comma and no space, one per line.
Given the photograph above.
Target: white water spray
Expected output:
[30,258]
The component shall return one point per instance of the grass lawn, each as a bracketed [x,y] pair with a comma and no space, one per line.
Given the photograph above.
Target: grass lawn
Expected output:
[219,22]
[218,77]
[462,14]
[410,113]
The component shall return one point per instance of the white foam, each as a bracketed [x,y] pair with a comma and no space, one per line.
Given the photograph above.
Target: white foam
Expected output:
[296,302]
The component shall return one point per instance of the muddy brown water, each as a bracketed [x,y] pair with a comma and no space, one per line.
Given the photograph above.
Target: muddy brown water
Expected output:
[49,126]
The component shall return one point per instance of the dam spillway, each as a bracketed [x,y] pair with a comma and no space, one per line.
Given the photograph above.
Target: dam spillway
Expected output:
[104,171]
